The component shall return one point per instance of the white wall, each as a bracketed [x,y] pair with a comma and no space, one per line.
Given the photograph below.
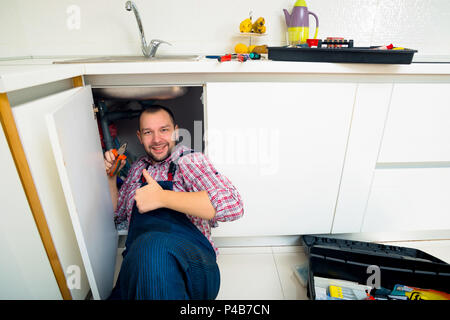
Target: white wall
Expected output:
[13,41]
[39,28]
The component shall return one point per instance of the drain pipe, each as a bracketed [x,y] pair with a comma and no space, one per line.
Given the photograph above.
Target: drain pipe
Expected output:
[106,117]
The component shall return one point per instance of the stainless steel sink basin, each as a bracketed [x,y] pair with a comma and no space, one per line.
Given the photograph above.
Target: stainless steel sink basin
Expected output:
[115,59]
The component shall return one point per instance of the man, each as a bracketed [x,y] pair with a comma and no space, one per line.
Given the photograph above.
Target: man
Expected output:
[171,199]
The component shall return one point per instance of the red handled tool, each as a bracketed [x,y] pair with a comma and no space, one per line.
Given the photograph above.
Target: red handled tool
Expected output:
[119,154]
[235,56]
[226,57]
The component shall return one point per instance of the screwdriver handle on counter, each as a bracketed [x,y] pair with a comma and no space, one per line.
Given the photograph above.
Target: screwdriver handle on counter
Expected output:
[242,57]
[115,168]
[226,57]
[239,56]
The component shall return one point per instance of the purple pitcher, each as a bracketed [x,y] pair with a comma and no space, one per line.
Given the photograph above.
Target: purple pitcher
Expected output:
[298,23]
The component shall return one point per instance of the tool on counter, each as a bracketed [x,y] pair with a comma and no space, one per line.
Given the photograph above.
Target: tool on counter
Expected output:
[330,42]
[254,56]
[239,57]
[334,42]
[224,58]
[388,47]
[119,154]
[242,57]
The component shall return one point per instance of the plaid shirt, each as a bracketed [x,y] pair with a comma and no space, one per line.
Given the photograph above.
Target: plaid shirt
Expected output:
[194,173]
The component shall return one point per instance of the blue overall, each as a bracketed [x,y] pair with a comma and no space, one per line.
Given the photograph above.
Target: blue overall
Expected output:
[166,257]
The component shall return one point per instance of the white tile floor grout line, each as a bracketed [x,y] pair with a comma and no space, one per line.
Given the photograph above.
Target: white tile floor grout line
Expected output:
[278,273]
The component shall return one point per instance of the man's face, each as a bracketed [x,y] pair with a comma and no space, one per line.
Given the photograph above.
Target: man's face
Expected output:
[157,134]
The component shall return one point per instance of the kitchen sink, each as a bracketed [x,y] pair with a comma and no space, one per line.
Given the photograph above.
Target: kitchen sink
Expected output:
[115,59]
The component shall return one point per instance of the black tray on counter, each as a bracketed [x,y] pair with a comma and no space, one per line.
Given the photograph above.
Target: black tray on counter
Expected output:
[344,55]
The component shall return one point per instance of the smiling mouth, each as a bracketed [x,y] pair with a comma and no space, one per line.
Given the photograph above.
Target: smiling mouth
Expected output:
[159,149]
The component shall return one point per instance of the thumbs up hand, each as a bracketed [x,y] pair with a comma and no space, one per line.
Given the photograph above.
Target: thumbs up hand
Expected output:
[150,196]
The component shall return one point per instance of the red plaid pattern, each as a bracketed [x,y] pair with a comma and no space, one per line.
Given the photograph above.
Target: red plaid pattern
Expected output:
[195,173]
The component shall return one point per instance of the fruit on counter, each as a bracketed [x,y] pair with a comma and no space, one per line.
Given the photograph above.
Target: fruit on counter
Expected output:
[241,48]
[258,26]
[250,48]
[246,25]
[260,29]
[260,49]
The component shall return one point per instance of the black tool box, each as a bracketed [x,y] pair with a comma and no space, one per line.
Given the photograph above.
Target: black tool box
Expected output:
[349,260]
[345,55]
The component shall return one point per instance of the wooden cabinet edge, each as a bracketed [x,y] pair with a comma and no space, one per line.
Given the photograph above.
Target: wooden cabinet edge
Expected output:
[78,81]
[18,154]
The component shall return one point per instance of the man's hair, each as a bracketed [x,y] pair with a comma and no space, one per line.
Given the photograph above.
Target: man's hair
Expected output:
[155,108]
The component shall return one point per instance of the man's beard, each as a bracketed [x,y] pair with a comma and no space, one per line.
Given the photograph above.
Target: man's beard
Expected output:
[155,159]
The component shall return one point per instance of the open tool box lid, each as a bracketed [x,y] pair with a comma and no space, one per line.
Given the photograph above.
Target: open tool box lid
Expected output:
[349,260]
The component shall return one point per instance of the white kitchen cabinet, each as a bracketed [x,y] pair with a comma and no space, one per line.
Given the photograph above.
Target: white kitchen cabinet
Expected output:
[286,146]
[282,145]
[418,125]
[61,141]
[403,185]
[407,199]
[369,117]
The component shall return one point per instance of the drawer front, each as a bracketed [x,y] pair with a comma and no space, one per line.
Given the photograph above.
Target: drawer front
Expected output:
[418,124]
[408,200]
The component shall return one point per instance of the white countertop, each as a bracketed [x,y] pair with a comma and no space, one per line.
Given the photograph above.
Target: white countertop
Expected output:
[23,73]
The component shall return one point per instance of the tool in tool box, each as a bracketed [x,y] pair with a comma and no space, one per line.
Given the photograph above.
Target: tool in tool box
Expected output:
[341,293]
[119,154]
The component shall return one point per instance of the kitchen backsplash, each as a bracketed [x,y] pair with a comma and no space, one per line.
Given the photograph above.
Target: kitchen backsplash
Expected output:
[103,27]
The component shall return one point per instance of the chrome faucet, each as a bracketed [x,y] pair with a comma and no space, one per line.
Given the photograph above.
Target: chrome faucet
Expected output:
[148,50]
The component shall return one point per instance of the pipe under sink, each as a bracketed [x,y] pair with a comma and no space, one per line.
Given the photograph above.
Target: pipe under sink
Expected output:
[140,92]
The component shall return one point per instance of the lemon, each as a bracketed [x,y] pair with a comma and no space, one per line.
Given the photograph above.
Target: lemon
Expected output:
[250,48]
[241,48]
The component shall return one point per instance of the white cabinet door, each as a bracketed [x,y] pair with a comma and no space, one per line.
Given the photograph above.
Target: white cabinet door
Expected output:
[366,132]
[76,146]
[32,127]
[417,127]
[408,199]
[282,145]
[26,272]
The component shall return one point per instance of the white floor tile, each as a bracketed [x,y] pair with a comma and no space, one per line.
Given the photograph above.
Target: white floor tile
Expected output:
[248,276]
[288,249]
[291,286]
[244,250]
[257,273]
